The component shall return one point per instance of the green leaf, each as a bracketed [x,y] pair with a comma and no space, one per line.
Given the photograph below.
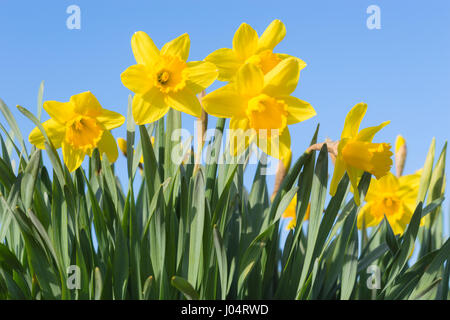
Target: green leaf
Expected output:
[197,228]
[29,179]
[349,269]
[185,287]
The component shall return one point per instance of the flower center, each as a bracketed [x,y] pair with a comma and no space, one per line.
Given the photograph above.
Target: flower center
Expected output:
[391,205]
[266,60]
[83,133]
[374,158]
[170,74]
[163,77]
[267,113]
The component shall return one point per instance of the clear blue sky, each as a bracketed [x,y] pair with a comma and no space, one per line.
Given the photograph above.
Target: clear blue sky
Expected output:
[402,70]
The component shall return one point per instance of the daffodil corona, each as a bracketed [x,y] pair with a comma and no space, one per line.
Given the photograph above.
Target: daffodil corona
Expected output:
[163,79]
[78,127]
[249,48]
[261,108]
[357,153]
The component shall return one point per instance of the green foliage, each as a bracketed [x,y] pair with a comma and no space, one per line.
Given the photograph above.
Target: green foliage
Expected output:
[197,233]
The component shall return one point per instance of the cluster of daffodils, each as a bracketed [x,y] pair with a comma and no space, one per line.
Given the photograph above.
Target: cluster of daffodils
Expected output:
[257,99]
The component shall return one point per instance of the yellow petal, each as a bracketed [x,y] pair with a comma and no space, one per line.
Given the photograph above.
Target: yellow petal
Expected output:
[144,50]
[283,56]
[149,107]
[355,175]
[226,61]
[240,135]
[137,78]
[277,147]
[185,101]
[55,132]
[86,103]
[224,102]
[178,47]
[73,158]
[282,80]
[60,111]
[110,119]
[122,143]
[201,75]
[367,134]
[389,183]
[353,120]
[338,173]
[108,145]
[298,110]
[367,217]
[290,212]
[249,80]
[245,42]
[273,35]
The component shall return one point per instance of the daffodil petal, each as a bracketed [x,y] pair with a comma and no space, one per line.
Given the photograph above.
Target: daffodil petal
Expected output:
[367,134]
[226,61]
[224,102]
[149,107]
[273,35]
[110,119]
[185,101]
[245,42]
[366,218]
[86,103]
[144,49]
[60,111]
[55,132]
[298,110]
[282,79]
[277,147]
[240,135]
[137,78]
[354,174]
[108,145]
[338,173]
[353,120]
[73,158]
[122,143]
[201,74]
[178,47]
[249,80]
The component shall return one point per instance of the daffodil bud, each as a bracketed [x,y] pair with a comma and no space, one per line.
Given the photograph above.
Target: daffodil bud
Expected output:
[400,155]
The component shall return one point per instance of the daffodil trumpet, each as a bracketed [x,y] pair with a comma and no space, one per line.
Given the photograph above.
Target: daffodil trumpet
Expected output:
[356,153]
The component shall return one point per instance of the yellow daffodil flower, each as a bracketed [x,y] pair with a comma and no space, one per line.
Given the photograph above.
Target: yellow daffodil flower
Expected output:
[393,197]
[357,153]
[248,47]
[162,78]
[261,108]
[290,212]
[79,126]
